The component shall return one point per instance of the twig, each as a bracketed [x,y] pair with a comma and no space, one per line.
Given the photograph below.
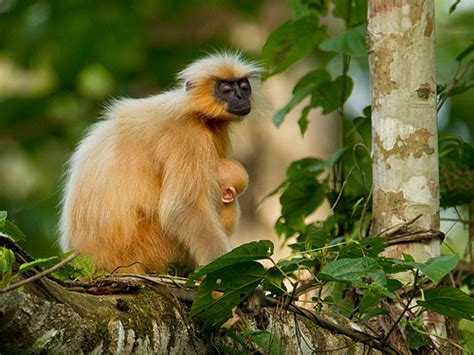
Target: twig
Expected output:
[342,187]
[124,266]
[420,236]
[398,227]
[456,79]
[384,340]
[174,287]
[40,275]
[456,220]
[333,327]
[362,215]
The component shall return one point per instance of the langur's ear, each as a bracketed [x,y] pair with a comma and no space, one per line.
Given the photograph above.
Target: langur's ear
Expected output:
[229,195]
[189,85]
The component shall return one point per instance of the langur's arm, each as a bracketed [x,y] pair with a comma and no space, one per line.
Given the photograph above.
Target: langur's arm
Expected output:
[189,199]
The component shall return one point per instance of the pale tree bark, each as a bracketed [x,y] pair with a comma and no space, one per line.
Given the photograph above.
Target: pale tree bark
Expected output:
[404,127]
[404,130]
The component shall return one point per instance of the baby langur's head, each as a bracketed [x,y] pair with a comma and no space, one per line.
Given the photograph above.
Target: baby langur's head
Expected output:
[233,179]
[223,86]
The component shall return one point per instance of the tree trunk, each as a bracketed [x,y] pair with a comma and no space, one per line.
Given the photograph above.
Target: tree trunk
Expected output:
[404,127]
[404,130]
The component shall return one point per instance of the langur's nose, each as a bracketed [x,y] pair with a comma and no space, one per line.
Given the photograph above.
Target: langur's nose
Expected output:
[237,92]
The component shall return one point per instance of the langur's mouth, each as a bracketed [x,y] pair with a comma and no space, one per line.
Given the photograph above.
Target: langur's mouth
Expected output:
[241,111]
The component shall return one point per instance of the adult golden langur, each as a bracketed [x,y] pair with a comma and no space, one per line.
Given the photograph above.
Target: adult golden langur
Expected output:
[144,186]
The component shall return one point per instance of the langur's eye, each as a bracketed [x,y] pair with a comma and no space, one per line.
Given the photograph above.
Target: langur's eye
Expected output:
[225,88]
[244,85]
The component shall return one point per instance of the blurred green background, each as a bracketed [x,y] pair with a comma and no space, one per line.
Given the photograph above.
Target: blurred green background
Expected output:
[61,61]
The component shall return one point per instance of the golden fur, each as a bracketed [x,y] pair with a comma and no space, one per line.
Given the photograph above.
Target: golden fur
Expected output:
[143,189]
[231,174]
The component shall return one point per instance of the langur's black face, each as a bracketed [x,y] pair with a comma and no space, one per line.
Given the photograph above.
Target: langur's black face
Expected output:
[236,92]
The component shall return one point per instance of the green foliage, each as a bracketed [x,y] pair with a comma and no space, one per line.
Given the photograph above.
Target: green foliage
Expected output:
[468,341]
[42,262]
[435,268]
[229,280]
[7,258]
[305,86]
[454,6]
[291,42]
[9,228]
[353,12]
[456,159]
[450,302]
[339,252]
[360,272]
[350,42]
[266,341]
[81,266]
[415,339]
[259,250]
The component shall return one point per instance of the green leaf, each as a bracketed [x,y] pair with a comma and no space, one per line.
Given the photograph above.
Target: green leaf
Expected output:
[450,302]
[303,120]
[453,6]
[43,263]
[362,125]
[273,281]
[302,193]
[312,166]
[7,258]
[435,268]
[259,250]
[369,300]
[330,96]
[9,228]
[291,42]
[468,338]
[456,171]
[301,90]
[298,96]
[301,198]
[359,271]
[293,264]
[366,247]
[353,12]
[299,8]
[350,42]
[81,266]
[374,312]
[266,341]
[415,339]
[317,235]
[235,282]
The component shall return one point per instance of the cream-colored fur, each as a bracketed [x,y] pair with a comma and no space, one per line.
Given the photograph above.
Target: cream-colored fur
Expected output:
[143,189]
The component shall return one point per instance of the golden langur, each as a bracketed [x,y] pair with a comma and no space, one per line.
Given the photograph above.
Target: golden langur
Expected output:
[151,184]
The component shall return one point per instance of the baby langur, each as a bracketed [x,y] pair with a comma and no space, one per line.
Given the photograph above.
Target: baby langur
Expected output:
[234,181]
[144,187]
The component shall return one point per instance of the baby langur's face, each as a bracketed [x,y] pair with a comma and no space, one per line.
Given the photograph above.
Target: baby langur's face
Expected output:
[236,93]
